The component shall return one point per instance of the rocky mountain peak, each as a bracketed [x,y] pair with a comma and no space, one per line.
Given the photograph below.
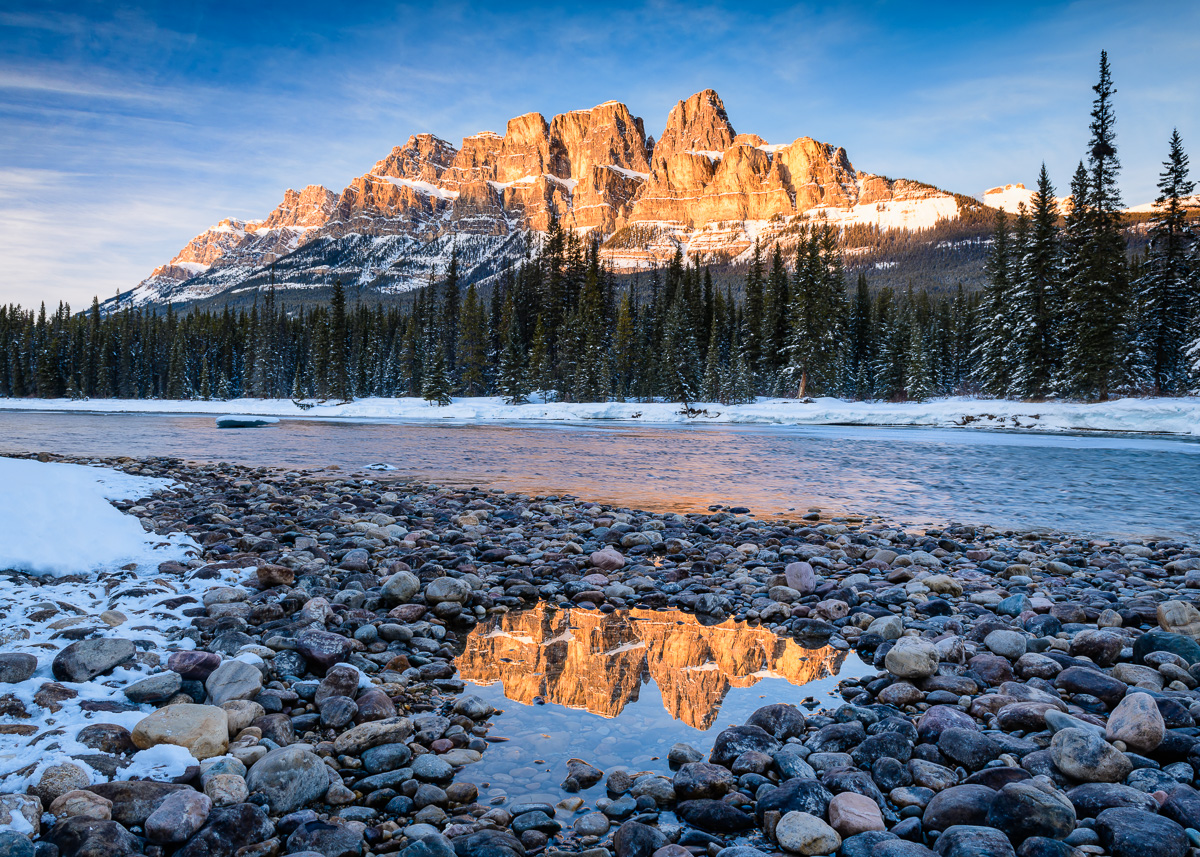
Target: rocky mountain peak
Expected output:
[699,123]
[306,209]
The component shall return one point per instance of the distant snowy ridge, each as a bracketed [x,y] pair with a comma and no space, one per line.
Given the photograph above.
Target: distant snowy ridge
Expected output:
[1179,416]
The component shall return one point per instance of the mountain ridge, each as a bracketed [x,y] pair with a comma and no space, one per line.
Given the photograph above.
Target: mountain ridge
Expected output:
[701,187]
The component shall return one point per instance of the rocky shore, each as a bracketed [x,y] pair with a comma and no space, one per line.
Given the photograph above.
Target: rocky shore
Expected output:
[1033,694]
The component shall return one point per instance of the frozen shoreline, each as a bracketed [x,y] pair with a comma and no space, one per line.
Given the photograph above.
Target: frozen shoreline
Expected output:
[1180,416]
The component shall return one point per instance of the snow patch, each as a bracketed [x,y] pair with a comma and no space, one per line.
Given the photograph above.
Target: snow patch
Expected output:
[57,519]
[422,187]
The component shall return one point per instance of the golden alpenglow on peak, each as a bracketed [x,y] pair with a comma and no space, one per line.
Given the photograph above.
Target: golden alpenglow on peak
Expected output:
[701,188]
[598,662]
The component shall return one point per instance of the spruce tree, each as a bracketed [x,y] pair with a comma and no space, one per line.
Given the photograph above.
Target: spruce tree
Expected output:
[435,376]
[991,364]
[754,311]
[514,379]
[451,303]
[1098,285]
[339,346]
[1170,284]
[625,348]
[473,345]
[1037,298]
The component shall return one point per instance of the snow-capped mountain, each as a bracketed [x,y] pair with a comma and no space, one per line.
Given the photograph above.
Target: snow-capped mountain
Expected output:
[701,187]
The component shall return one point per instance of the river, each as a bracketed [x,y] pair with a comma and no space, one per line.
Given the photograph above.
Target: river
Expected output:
[1108,485]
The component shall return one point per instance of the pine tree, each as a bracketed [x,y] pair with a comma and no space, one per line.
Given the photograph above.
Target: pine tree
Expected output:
[451,304]
[514,379]
[435,376]
[777,309]
[1169,287]
[625,344]
[1037,298]
[817,309]
[754,312]
[339,346]
[860,342]
[992,371]
[473,345]
[1098,285]
[593,375]
[540,371]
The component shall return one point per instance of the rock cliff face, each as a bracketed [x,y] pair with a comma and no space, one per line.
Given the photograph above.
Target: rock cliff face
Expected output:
[598,662]
[702,188]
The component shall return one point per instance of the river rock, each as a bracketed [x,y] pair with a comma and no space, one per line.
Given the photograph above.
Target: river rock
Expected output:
[1007,644]
[445,589]
[734,741]
[233,680]
[1128,832]
[156,688]
[965,804]
[228,829]
[288,778]
[780,720]
[795,795]
[974,841]
[390,730]
[912,657]
[1023,810]
[1086,757]
[715,815]
[800,577]
[400,588]
[178,817]
[329,839]
[632,839]
[322,649]
[1137,722]
[1179,617]
[851,814]
[202,729]
[81,803]
[57,780]
[16,667]
[193,665]
[803,833]
[697,780]
[1090,799]
[134,800]
[86,659]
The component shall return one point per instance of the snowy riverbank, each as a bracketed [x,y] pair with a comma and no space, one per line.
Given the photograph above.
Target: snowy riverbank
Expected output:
[76,571]
[1160,415]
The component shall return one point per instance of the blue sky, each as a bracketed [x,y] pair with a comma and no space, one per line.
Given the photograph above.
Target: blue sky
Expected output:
[126,128]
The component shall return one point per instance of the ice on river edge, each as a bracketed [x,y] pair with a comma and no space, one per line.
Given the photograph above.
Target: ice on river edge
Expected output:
[1157,415]
[72,557]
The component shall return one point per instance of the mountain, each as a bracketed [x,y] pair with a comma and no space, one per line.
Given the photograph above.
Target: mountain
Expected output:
[700,187]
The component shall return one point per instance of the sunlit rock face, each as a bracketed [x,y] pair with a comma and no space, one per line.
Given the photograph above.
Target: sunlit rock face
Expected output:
[701,188]
[598,662]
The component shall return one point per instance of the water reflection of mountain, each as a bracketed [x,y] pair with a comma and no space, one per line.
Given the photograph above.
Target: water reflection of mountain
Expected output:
[598,662]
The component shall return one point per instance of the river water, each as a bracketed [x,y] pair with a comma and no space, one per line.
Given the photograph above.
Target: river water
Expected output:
[1108,485]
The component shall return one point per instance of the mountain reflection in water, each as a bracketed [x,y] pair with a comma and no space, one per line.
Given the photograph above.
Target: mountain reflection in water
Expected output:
[598,662]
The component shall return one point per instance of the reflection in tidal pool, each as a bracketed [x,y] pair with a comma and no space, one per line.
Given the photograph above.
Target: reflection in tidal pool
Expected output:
[619,689]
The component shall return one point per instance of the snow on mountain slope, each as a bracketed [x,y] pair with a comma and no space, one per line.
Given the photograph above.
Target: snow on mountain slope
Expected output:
[701,187]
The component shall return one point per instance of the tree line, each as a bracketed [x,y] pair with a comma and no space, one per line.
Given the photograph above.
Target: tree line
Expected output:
[1066,312]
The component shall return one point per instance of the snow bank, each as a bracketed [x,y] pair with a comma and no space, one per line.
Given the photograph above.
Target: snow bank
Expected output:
[56,519]
[1158,415]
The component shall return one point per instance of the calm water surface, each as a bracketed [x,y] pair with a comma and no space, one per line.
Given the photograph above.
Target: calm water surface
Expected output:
[617,690]
[1103,484]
